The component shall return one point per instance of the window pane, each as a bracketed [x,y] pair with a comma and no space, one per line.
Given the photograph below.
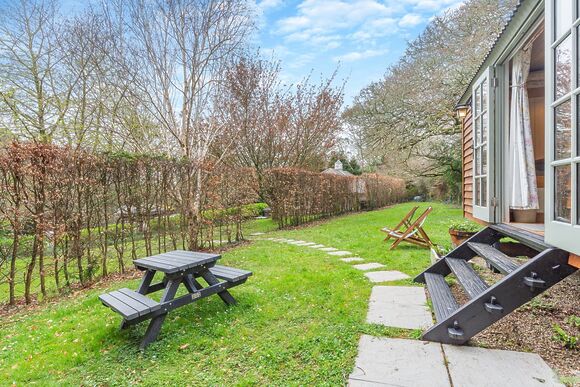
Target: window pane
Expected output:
[476,191]
[477,100]
[484,95]
[563,14]
[563,140]
[563,67]
[484,128]
[562,199]
[477,161]
[477,134]
[484,191]
[484,160]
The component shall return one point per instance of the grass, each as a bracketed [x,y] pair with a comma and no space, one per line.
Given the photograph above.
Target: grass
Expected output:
[297,322]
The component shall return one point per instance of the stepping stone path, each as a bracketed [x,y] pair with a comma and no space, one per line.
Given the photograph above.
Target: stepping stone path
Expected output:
[351,259]
[368,266]
[340,253]
[399,307]
[472,366]
[409,363]
[257,233]
[402,362]
[398,362]
[386,276]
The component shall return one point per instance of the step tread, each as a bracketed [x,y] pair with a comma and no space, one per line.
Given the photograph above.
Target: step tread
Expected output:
[471,282]
[527,238]
[443,301]
[494,257]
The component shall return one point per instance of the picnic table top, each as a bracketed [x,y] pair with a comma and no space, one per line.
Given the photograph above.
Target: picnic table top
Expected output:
[176,261]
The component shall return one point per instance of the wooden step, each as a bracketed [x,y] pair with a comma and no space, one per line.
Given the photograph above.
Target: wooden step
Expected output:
[494,257]
[467,277]
[129,303]
[527,238]
[443,301]
[230,274]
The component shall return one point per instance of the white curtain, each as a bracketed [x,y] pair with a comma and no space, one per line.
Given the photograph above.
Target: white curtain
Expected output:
[524,191]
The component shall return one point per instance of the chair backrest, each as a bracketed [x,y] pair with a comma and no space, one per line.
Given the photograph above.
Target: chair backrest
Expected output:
[418,223]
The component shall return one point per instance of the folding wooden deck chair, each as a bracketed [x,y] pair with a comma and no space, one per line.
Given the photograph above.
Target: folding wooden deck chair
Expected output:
[410,230]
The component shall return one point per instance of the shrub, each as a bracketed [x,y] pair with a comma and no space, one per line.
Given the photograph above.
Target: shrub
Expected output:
[464,226]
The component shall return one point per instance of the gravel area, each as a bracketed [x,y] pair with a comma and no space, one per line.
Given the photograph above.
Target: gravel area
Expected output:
[531,327]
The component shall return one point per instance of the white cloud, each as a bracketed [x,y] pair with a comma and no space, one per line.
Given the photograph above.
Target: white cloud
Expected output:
[359,55]
[410,20]
[268,4]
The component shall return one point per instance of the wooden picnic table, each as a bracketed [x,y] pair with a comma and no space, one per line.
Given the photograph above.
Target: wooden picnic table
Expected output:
[178,267]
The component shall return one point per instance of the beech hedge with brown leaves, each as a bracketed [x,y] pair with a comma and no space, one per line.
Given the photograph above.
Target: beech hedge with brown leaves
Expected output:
[298,196]
[68,216]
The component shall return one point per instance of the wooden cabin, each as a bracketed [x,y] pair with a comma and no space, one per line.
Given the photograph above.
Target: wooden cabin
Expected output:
[521,171]
[548,34]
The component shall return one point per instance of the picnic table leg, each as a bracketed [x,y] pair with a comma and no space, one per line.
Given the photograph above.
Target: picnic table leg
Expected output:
[212,280]
[156,323]
[143,289]
[191,284]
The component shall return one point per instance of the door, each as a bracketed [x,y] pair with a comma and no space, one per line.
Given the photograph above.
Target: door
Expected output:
[483,119]
[562,145]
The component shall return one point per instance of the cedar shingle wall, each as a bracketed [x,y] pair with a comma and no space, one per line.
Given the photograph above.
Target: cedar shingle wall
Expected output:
[467,155]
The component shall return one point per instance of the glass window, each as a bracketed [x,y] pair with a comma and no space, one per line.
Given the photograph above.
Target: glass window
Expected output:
[484,127]
[477,100]
[484,95]
[477,190]
[563,68]
[563,140]
[562,190]
[484,160]
[484,191]
[477,134]
[563,14]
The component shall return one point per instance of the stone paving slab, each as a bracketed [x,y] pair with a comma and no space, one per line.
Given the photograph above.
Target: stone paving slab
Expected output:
[352,259]
[386,276]
[301,243]
[309,244]
[296,242]
[399,362]
[340,253]
[368,266]
[316,246]
[257,233]
[472,366]
[399,307]
[329,249]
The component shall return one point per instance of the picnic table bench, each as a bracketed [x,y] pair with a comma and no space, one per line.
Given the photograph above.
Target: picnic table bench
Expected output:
[179,267]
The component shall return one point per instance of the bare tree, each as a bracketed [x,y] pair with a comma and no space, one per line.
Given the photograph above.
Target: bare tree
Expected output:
[278,125]
[35,91]
[177,54]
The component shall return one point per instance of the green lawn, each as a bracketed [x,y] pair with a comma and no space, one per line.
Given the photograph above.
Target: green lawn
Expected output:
[297,321]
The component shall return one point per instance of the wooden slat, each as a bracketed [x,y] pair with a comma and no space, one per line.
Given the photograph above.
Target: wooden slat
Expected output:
[494,257]
[469,280]
[443,301]
[229,273]
[118,306]
[152,304]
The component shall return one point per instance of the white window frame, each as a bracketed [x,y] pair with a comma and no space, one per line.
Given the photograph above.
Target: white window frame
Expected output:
[484,211]
[560,234]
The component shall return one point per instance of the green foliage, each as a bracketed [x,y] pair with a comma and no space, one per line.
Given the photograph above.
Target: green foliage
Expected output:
[574,321]
[569,341]
[464,225]
[278,334]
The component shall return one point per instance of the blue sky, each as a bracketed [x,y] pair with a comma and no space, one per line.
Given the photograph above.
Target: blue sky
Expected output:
[360,37]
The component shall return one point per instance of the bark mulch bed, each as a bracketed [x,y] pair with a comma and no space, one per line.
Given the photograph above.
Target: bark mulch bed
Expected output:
[531,328]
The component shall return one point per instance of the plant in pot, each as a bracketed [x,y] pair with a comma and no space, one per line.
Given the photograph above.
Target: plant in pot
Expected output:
[462,230]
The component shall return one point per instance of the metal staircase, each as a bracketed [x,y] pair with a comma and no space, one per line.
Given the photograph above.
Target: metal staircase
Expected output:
[456,323]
